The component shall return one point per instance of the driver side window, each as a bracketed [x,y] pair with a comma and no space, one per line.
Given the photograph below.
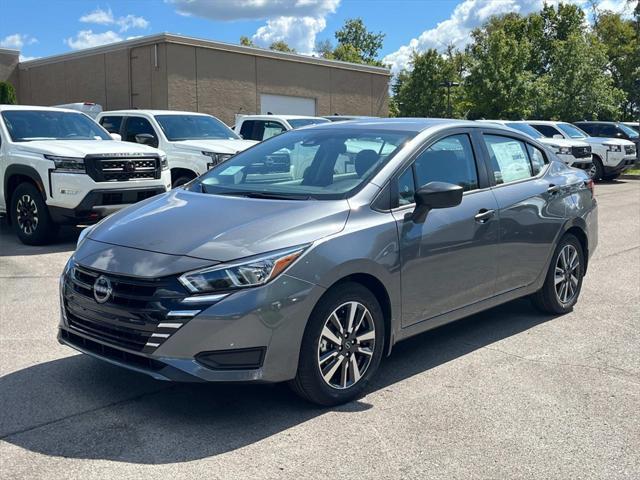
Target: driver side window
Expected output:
[136,126]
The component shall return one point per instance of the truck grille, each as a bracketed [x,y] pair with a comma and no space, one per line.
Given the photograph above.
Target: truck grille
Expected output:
[119,169]
[581,152]
[133,317]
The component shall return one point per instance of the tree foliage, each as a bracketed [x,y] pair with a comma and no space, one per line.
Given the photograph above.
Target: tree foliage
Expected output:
[356,44]
[549,64]
[281,46]
[7,94]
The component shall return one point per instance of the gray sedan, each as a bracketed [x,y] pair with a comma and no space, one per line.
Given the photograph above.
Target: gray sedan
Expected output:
[307,257]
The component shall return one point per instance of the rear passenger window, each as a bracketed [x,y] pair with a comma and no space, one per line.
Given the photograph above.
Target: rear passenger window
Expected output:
[448,160]
[111,124]
[260,129]
[538,160]
[509,159]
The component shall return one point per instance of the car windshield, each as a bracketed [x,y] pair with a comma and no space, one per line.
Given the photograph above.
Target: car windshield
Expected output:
[572,130]
[524,128]
[30,125]
[194,127]
[302,164]
[628,130]
[634,126]
[303,122]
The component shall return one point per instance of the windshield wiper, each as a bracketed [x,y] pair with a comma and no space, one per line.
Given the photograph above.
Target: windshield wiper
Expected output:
[267,195]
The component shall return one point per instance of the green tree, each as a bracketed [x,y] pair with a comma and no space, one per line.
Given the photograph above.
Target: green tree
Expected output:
[7,94]
[621,40]
[246,42]
[354,37]
[324,48]
[281,46]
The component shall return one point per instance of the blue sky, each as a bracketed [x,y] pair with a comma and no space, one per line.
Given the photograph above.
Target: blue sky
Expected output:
[409,25]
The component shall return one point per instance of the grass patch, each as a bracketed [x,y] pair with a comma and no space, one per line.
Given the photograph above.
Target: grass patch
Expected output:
[633,171]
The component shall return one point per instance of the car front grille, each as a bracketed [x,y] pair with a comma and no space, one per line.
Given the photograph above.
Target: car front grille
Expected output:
[135,316]
[581,152]
[119,169]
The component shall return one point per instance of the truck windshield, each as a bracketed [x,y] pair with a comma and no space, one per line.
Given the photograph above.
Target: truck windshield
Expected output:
[194,127]
[524,128]
[302,164]
[303,122]
[30,125]
[572,130]
[628,130]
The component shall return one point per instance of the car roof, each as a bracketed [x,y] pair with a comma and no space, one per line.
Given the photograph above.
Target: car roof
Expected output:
[285,117]
[597,121]
[134,111]
[36,107]
[399,124]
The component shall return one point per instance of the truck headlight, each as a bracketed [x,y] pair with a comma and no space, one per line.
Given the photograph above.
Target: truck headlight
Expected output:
[614,148]
[164,163]
[216,158]
[561,150]
[252,272]
[67,164]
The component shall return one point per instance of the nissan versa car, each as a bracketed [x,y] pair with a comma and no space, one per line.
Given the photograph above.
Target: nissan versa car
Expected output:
[395,227]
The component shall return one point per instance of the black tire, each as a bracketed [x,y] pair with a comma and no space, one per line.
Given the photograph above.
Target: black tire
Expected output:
[599,168]
[30,216]
[181,181]
[547,299]
[309,382]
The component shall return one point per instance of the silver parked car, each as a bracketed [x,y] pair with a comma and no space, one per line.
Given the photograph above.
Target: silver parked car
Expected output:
[258,272]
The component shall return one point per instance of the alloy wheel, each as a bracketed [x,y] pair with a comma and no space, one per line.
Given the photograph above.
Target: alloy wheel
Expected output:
[346,345]
[566,274]
[27,214]
[592,172]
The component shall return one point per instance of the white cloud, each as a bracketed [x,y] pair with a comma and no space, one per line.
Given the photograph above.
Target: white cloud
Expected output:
[17,41]
[297,22]
[470,14]
[88,39]
[299,32]
[105,17]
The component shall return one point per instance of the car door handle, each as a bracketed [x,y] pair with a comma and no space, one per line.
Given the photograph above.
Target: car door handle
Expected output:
[554,188]
[483,215]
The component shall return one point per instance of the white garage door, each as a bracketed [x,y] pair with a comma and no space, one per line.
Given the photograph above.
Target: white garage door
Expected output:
[286,105]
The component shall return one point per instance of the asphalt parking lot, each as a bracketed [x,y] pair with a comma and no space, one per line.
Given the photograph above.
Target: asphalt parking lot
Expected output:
[508,393]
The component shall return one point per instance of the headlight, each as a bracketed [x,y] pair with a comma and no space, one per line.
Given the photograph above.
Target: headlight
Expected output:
[614,148]
[67,164]
[83,234]
[164,163]
[216,158]
[561,150]
[251,272]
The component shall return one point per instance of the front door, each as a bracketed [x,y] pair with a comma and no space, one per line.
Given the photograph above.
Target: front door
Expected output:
[449,261]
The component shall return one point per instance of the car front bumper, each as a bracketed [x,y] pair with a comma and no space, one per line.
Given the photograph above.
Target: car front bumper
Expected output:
[619,163]
[270,319]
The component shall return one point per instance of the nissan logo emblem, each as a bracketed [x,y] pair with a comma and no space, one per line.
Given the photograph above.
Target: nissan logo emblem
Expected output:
[102,289]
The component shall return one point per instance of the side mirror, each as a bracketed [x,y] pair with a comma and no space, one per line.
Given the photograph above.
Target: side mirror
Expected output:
[435,195]
[557,135]
[147,139]
[116,136]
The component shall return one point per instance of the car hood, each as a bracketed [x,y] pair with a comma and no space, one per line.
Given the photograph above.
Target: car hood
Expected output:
[80,148]
[220,228]
[563,142]
[216,146]
[609,141]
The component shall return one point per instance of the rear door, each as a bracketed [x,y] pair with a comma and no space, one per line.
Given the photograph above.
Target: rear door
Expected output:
[531,202]
[449,261]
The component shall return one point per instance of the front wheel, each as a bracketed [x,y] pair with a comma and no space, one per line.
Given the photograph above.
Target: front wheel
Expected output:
[31,216]
[563,282]
[597,170]
[342,346]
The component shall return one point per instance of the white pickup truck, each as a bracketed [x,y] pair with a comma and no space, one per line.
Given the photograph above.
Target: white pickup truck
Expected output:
[611,156]
[193,142]
[261,127]
[58,166]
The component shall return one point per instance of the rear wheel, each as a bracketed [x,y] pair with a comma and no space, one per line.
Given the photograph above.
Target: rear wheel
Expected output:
[342,346]
[31,216]
[563,282]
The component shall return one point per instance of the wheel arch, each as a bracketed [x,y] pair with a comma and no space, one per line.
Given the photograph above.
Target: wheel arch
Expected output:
[178,172]
[14,176]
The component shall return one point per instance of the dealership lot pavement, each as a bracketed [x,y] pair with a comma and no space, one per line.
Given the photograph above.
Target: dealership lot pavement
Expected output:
[508,393]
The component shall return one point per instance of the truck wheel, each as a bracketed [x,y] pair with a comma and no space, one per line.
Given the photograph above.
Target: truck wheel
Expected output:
[342,346]
[597,169]
[30,216]
[181,181]
[563,282]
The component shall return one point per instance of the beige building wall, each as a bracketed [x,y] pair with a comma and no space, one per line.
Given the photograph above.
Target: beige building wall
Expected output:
[190,75]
